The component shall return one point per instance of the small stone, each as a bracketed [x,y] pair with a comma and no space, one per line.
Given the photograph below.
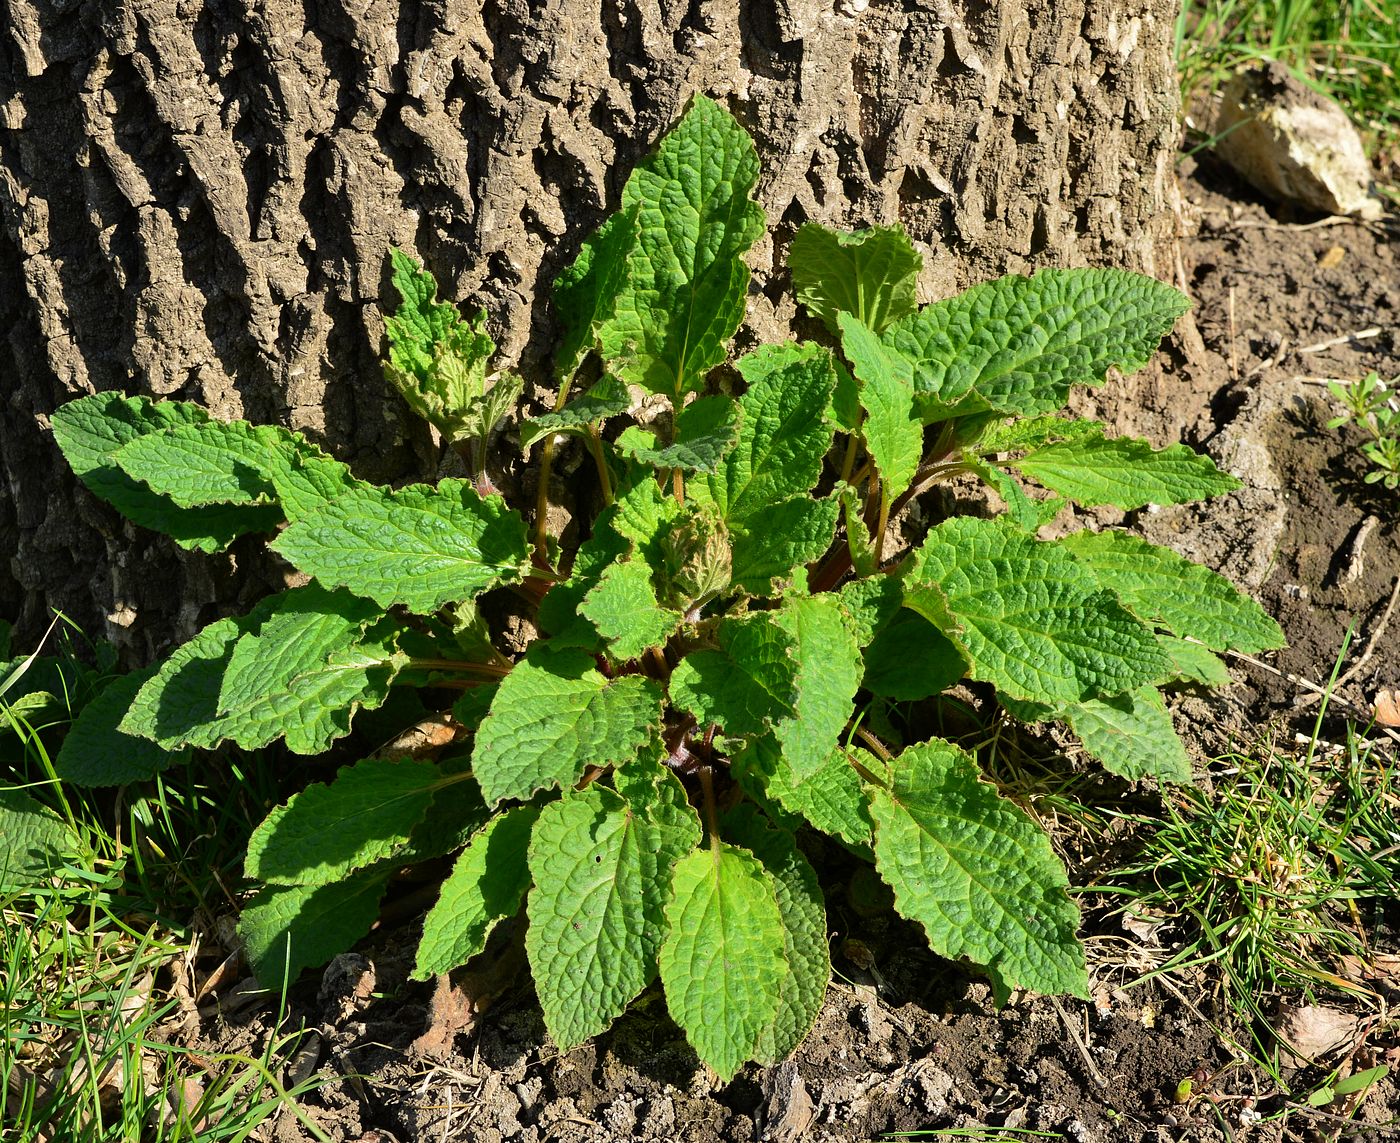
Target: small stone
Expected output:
[1293,144]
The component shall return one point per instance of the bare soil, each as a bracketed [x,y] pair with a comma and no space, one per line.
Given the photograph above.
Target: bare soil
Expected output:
[907,1041]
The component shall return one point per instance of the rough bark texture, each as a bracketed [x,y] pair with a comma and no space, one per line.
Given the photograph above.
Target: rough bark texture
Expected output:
[198,196]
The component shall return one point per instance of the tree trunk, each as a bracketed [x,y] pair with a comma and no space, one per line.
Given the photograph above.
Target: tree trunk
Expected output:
[198,197]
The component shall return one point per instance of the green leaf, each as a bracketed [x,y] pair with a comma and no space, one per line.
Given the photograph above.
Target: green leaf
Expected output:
[304,674]
[871,604]
[803,912]
[1124,472]
[1027,616]
[685,285]
[1191,662]
[871,274]
[456,812]
[217,462]
[559,610]
[768,550]
[910,659]
[60,684]
[34,841]
[845,400]
[1167,589]
[327,831]
[863,560]
[832,798]
[724,959]
[761,491]
[183,696]
[486,886]
[1033,432]
[622,603]
[437,359]
[553,715]
[585,295]
[607,398]
[624,609]
[976,873]
[828,675]
[287,928]
[1025,513]
[299,664]
[783,431]
[893,434]
[601,868]
[421,324]
[483,413]
[1132,735]
[705,430]
[96,753]
[643,515]
[745,686]
[420,546]
[1359,1081]
[92,429]
[1017,345]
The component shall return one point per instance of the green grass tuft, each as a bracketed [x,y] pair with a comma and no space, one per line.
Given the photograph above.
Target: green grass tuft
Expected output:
[90,1046]
[1276,876]
[1349,50]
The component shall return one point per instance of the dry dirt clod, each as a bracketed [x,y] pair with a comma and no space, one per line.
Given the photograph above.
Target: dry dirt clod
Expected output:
[789,1110]
[346,986]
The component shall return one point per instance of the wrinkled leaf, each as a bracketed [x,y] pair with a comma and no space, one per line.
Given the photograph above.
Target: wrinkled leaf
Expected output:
[871,274]
[419,546]
[976,873]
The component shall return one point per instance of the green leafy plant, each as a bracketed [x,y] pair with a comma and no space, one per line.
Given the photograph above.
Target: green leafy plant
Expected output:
[710,659]
[1370,405]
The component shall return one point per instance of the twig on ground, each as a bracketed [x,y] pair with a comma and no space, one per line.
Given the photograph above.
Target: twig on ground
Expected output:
[1361,712]
[1333,342]
[1356,557]
[1374,224]
[1308,700]
[1268,363]
[1317,224]
[1097,1075]
[1234,360]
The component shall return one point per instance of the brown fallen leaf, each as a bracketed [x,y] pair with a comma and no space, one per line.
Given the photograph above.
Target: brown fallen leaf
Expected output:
[790,1110]
[1381,969]
[461,996]
[424,739]
[1310,1032]
[1143,926]
[346,987]
[1387,708]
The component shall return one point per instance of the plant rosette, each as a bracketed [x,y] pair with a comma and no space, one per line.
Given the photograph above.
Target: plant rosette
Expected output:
[635,781]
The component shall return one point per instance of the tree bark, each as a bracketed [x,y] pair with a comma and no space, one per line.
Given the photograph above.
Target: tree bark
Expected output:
[198,197]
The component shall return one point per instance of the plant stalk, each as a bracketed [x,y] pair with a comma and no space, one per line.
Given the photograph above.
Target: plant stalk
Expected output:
[884,522]
[542,490]
[707,785]
[595,446]
[877,747]
[491,670]
[848,462]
